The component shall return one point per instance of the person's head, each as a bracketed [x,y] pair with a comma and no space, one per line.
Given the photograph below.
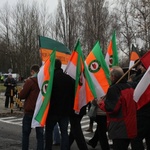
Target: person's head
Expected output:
[34,69]
[9,75]
[57,64]
[139,66]
[116,73]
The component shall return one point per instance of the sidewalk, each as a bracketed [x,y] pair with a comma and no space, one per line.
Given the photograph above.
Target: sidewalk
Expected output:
[7,111]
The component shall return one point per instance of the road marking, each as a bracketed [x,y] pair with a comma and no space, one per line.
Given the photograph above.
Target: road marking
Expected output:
[12,120]
[84,124]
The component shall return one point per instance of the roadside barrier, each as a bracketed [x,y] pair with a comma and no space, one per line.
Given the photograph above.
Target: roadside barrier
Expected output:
[16,100]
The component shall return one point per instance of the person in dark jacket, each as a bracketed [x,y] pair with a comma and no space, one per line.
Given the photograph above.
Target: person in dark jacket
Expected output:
[143,114]
[121,111]
[76,130]
[10,84]
[61,105]
[30,93]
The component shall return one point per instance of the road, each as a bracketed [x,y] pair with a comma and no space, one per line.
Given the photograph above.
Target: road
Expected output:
[10,129]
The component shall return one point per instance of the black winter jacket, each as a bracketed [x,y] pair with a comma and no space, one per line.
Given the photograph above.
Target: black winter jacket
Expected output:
[62,97]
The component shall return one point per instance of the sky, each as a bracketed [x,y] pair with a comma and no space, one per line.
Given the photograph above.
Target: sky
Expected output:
[50,3]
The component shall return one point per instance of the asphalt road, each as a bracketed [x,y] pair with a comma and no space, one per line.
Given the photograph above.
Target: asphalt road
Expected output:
[10,132]
[10,138]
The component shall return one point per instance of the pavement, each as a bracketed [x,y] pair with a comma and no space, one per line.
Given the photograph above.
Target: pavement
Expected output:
[15,110]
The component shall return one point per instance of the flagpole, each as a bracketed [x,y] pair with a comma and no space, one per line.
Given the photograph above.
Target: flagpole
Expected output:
[128,71]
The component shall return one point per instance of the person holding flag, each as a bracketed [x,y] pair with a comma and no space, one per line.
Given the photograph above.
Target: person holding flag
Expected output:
[143,107]
[99,73]
[61,106]
[30,93]
[121,110]
[84,93]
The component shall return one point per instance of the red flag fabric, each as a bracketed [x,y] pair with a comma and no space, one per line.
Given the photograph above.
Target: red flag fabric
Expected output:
[145,59]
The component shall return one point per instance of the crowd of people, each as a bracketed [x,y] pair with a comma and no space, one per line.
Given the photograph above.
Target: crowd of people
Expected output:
[117,113]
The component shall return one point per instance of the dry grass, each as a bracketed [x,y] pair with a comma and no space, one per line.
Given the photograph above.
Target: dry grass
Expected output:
[2,87]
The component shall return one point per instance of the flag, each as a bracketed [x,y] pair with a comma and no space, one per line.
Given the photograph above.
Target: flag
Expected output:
[47,45]
[45,81]
[142,90]
[133,56]
[84,88]
[98,70]
[111,57]
[145,59]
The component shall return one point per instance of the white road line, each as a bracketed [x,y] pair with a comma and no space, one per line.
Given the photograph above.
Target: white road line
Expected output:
[7,118]
[15,120]
[12,120]
[14,123]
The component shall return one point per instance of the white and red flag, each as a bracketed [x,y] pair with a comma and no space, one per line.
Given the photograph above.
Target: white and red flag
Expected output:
[142,90]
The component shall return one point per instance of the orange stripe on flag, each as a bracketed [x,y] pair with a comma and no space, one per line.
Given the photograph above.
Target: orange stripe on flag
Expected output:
[134,56]
[45,53]
[99,75]
[74,57]
[46,69]
[109,50]
[45,116]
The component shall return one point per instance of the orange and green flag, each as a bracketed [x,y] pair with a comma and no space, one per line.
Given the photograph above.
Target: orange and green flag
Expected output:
[47,45]
[133,56]
[98,70]
[84,87]
[45,81]
[111,57]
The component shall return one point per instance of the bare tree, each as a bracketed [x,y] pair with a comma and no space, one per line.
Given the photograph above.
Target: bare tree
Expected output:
[66,23]
[134,20]
[26,31]
[141,18]
[45,19]
[87,20]
[96,23]
[5,36]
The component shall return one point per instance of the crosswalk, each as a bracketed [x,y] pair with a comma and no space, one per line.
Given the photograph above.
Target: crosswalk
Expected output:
[12,120]
[84,124]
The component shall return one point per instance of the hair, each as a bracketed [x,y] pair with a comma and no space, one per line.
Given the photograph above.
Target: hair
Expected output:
[35,68]
[57,64]
[117,72]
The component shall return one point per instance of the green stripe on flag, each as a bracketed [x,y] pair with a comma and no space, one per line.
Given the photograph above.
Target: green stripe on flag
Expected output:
[114,48]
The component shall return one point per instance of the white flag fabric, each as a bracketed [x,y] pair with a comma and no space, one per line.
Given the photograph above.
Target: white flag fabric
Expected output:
[39,99]
[142,86]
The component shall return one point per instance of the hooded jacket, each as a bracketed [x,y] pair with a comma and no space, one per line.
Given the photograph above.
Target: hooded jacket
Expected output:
[121,111]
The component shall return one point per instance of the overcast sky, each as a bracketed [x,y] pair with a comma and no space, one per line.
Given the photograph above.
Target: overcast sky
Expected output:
[50,3]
